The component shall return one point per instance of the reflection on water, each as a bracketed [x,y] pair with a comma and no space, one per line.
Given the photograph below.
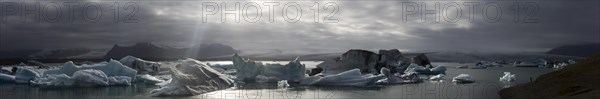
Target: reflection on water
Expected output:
[25,91]
[486,85]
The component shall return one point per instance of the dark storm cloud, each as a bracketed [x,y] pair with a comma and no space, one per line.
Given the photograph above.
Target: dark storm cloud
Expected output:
[362,24]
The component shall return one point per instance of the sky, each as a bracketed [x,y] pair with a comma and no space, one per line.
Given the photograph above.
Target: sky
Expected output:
[479,26]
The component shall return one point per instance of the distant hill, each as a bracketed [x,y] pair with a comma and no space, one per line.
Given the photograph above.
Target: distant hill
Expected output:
[43,53]
[148,50]
[575,50]
[575,81]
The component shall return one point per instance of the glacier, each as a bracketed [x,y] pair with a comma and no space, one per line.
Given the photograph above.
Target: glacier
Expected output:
[463,78]
[247,70]
[347,78]
[190,77]
[508,78]
[142,66]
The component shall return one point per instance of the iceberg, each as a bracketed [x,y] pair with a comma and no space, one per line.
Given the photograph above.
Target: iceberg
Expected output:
[142,66]
[6,78]
[5,71]
[282,84]
[119,80]
[508,77]
[190,77]
[393,60]
[347,78]
[531,63]
[148,79]
[397,78]
[247,70]
[421,60]
[90,77]
[112,68]
[24,75]
[437,77]
[352,59]
[54,80]
[414,68]
[487,64]
[463,78]
[81,78]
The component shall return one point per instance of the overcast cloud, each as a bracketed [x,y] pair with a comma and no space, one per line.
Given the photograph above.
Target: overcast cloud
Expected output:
[362,24]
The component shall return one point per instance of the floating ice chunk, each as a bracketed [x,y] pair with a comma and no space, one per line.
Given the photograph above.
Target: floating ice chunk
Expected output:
[531,63]
[148,79]
[571,62]
[81,78]
[247,70]
[414,68]
[463,78]
[190,77]
[5,71]
[119,80]
[112,68]
[438,70]
[487,64]
[7,78]
[437,77]
[142,66]
[24,75]
[508,77]
[54,80]
[396,78]
[347,78]
[91,77]
[282,84]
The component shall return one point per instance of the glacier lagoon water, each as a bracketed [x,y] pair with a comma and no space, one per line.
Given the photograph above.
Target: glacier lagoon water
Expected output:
[486,85]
